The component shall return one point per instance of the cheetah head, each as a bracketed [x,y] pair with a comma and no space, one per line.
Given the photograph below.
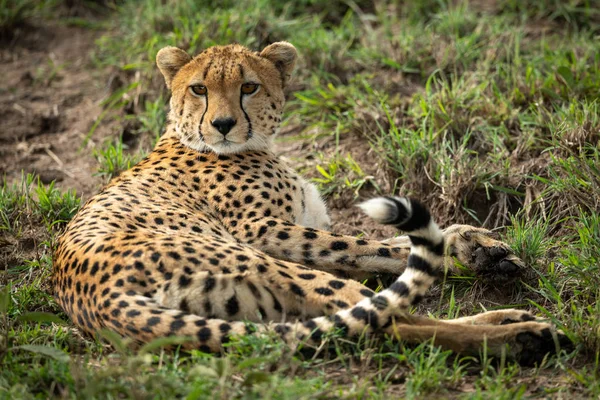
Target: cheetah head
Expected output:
[227,99]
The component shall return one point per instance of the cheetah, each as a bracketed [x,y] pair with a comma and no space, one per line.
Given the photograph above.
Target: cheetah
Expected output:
[212,231]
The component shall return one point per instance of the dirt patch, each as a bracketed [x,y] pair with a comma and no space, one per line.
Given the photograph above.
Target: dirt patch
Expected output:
[50,97]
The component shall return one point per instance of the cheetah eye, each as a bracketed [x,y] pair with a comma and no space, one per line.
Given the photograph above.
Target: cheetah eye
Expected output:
[249,88]
[198,90]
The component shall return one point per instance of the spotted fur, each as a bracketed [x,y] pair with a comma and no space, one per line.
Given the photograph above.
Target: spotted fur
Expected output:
[213,229]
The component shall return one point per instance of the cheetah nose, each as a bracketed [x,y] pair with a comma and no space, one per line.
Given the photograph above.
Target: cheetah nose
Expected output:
[224,125]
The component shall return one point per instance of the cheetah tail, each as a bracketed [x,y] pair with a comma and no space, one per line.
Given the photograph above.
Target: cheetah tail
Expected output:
[426,259]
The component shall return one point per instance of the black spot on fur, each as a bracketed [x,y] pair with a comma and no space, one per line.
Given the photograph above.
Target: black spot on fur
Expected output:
[339,246]
[310,235]
[176,325]
[184,281]
[324,291]
[152,321]
[297,290]
[336,284]
[204,334]
[232,306]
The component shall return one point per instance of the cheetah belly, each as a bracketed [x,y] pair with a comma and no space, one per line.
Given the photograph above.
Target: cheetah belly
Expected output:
[314,211]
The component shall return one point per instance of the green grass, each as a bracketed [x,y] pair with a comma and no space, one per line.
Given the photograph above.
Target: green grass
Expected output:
[29,201]
[114,159]
[488,111]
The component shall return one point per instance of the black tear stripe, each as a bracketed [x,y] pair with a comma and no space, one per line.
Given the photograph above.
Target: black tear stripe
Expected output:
[202,119]
[249,134]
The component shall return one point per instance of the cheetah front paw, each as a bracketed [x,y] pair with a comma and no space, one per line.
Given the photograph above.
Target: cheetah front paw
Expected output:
[477,249]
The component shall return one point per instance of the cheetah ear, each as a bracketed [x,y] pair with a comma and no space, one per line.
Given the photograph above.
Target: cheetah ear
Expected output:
[283,55]
[170,60]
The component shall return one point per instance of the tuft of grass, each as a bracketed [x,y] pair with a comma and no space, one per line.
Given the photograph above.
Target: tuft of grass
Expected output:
[15,203]
[341,174]
[114,159]
[429,367]
[499,384]
[23,202]
[529,238]
[48,73]
[573,182]
[576,14]
[54,206]
[152,119]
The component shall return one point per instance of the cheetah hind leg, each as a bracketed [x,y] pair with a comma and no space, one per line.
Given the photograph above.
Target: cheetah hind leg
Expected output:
[526,342]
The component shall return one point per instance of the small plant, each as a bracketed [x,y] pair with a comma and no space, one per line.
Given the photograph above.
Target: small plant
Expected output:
[341,173]
[429,367]
[529,238]
[153,119]
[7,330]
[498,383]
[54,206]
[117,100]
[48,73]
[17,203]
[114,159]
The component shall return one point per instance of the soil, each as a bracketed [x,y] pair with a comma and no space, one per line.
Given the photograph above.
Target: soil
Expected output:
[50,96]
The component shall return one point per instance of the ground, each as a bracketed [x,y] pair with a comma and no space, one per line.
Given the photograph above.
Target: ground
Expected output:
[486,110]
[50,100]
